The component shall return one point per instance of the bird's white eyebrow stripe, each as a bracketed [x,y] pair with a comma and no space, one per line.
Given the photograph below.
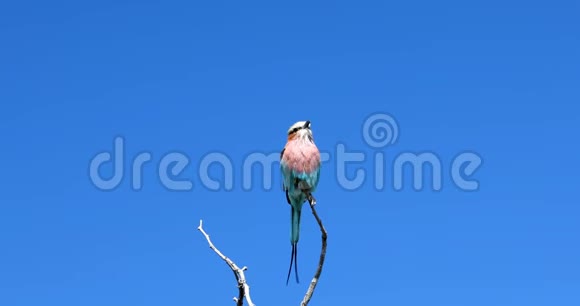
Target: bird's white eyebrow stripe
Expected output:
[296,129]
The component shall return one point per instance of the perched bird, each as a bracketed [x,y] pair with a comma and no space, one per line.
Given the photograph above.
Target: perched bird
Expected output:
[300,165]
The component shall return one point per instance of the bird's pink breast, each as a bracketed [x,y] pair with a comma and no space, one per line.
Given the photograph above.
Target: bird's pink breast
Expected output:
[301,156]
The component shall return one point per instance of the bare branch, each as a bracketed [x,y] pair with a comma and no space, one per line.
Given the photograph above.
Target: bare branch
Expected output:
[316,277]
[244,288]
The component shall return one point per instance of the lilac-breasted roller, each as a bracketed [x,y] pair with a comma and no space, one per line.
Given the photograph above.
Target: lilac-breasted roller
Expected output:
[300,165]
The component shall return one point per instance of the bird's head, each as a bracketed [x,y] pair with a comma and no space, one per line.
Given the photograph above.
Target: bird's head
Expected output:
[300,130]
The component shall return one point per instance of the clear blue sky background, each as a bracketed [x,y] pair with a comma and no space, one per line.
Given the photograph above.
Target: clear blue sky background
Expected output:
[499,78]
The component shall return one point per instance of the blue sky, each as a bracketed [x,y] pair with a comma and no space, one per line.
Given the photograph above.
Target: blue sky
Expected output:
[499,78]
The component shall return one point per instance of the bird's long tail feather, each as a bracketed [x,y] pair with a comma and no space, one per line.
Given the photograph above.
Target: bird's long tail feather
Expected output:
[294,241]
[292,260]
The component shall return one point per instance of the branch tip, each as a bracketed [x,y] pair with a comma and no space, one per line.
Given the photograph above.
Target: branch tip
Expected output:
[314,282]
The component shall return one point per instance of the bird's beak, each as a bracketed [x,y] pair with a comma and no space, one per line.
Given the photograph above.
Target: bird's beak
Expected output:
[307,124]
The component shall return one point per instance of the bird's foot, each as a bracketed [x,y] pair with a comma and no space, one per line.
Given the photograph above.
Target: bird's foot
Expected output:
[311,199]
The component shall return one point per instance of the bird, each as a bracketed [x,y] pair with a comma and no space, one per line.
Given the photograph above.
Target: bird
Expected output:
[300,167]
